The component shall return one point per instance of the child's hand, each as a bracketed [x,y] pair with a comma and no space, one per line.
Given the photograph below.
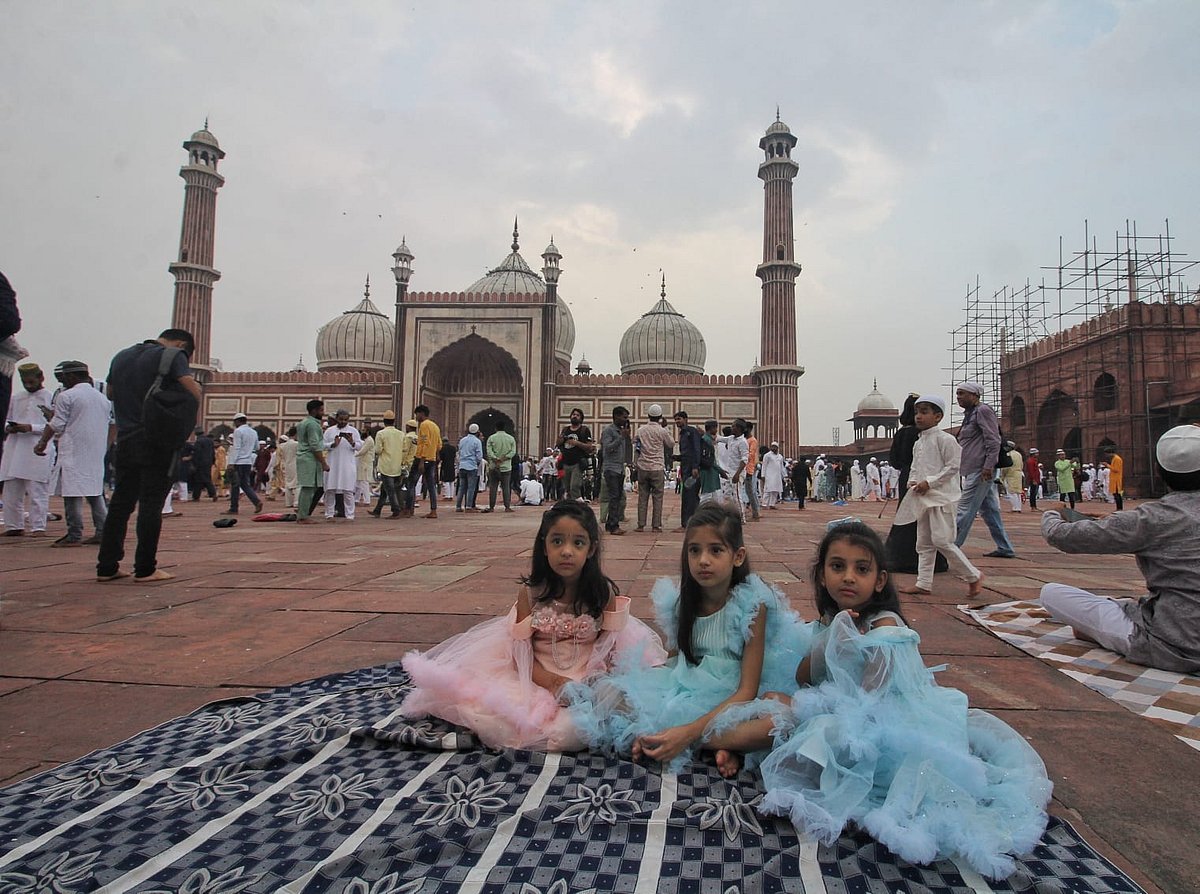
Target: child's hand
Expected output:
[665,745]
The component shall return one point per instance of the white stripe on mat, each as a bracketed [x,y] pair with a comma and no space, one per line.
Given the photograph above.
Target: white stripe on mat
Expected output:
[385,809]
[165,858]
[810,866]
[154,779]
[977,882]
[477,877]
[656,837]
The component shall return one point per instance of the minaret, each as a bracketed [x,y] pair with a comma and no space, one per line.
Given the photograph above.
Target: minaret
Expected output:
[548,418]
[193,270]
[778,373]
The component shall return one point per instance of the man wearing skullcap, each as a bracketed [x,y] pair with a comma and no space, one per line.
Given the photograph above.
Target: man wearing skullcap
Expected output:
[342,443]
[26,475]
[1162,629]
[389,447]
[979,438]
[83,423]
[653,444]
[470,458]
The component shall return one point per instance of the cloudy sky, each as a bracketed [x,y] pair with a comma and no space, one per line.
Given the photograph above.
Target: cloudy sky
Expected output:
[939,142]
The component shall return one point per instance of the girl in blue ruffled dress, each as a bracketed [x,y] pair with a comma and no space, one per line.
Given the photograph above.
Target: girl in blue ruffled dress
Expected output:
[872,740]
[734,638]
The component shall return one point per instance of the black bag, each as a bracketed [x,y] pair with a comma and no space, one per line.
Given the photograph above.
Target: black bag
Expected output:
[1004,460]
[168,414]
[708,454]
[901,550]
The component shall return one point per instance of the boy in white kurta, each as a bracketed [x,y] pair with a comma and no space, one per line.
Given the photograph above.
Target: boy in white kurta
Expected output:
[934,491]
[772,475]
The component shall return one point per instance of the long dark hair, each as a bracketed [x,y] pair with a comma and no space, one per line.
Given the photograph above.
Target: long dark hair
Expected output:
[728,525]
[856,534]
[594,588]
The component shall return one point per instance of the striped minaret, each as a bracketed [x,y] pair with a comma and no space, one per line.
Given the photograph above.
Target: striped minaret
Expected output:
[193,269]
[777,373]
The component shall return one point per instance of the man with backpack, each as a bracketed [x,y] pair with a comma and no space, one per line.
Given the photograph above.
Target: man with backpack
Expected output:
[150,385]
[980,439]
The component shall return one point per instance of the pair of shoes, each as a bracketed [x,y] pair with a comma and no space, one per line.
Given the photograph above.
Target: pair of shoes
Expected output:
[617,531]
[489,509]
[63,541]
[996,554]
[94,540]
[15,532]
[258,507]
[377,513]
[432,514]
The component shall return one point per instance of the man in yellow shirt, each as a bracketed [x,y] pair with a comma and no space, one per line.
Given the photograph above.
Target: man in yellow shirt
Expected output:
[429,441]
[1116,476]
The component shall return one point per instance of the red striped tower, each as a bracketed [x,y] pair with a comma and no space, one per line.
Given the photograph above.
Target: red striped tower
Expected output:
[778,374]
[193,270]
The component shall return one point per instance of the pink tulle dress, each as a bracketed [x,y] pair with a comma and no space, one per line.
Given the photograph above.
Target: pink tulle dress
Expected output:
[482,678]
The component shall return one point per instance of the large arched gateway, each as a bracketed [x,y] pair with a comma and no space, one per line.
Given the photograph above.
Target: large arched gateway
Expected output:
[469,377]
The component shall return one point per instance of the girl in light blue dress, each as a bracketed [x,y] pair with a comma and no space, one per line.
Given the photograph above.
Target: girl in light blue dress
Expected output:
[871,740]
[733,637]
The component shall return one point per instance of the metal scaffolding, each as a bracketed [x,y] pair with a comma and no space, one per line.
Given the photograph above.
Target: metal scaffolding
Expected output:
[1083,285]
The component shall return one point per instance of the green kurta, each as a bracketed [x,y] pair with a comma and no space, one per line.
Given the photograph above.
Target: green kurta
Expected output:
[310,444]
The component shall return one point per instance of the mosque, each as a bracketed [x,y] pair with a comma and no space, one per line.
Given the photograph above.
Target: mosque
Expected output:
[502,347]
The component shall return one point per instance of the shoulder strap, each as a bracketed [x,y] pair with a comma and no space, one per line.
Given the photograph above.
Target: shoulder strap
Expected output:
[164,367]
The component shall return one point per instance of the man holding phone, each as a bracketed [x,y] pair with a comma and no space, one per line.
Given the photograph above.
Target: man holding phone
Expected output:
[342,441]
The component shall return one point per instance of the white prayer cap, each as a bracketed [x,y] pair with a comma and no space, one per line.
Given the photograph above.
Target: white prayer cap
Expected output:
[1033,451]
[283,438]
[1179,449]
[973,387]
[774,443]
[933,400]
[873,459]
[473,428]
[237,416]
[654,411]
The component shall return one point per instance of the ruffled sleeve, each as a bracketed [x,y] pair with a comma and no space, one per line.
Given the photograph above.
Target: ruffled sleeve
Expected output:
[788,638]
[665,597]
[618,617]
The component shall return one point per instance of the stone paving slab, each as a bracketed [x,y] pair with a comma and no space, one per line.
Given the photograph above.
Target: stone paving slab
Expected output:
[84,664]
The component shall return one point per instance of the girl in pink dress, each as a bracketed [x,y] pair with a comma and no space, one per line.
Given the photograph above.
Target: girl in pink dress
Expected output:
[501,678]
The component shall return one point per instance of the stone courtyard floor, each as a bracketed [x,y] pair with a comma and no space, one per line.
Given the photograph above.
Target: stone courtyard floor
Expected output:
[84,665]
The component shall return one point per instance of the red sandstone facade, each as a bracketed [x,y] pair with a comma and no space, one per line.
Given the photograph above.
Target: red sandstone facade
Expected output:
[1122,378]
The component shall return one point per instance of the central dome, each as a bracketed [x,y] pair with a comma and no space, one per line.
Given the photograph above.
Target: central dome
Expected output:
[663,341]
[875,401]
[513,276]
[361,338]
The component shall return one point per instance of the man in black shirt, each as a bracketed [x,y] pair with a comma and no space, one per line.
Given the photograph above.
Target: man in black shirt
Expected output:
[143,471]
[203,455]
[688,438]
[575,443]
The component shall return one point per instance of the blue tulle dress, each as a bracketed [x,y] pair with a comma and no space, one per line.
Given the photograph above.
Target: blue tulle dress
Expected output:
[875,741]
[636,700]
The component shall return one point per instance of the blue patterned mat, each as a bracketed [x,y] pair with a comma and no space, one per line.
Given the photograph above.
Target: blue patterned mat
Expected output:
[321,787]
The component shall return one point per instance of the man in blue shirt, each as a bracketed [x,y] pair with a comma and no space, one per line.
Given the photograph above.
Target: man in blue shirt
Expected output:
[241,459]
[470,458]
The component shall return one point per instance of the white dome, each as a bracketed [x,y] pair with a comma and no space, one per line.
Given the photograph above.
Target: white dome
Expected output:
[361,338]
[875,401]
[662,340]
[514,276]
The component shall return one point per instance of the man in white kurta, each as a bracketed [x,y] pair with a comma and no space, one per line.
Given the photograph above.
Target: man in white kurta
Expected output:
[342,443]
[83,422]
[366,468]
[286,454]
[26,475]
[772,475]
[874,484]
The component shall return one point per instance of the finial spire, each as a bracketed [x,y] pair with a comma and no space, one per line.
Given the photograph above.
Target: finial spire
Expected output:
[776,113]
[206,122]
[367,287]
[516,238]
[663,293]
[875,384]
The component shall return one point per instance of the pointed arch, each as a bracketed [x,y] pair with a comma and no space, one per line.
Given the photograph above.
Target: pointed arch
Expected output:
[469,376]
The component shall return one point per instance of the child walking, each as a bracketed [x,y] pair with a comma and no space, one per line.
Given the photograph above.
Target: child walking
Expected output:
[502,678]
[871,739]
[932,498]
[734,639]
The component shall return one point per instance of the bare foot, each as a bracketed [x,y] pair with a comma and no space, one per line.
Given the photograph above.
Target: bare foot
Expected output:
[104,578]
[155,576]
[976,587]
[915,590]
[728,762]
[1079,634]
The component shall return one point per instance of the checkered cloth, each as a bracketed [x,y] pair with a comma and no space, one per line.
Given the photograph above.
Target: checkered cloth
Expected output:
[323,787]
[1169,699]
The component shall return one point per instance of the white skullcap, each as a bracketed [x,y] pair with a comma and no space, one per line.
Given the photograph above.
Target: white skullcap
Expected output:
[473,428]
[654,411]
[1179,449]
[973,387]
[935,400]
